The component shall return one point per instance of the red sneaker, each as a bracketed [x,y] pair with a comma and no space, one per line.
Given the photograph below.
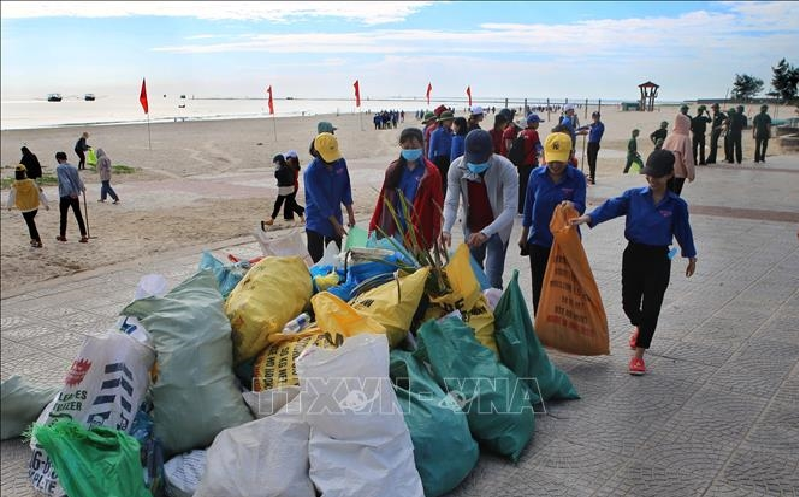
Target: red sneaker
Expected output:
[634,338]
[637,366]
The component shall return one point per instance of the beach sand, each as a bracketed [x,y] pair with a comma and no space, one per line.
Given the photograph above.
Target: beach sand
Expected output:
[208,181]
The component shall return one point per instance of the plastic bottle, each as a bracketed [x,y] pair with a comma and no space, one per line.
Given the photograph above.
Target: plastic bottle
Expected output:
[297,324]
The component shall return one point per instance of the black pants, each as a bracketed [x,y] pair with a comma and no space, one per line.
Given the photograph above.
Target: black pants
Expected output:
[538,265]
[675,185]
[735,147]
[317,243]
[524,177]
[30,220]
[714,145]
[82,161]
[761,144]
[63,206]
[645,272]
[593,153]
[442,163]
[289,209]
[699,149]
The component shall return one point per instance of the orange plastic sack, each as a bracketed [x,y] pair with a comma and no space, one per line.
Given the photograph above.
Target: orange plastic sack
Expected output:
[571,316]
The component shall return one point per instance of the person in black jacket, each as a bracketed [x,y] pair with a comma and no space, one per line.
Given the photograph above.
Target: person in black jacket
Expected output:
[659,135]
[698,127]
[285,192]
[32,166]
[737,124]
[715,132]
[80,149]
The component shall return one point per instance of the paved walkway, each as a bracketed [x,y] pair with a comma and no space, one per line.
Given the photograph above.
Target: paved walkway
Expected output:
[718,415]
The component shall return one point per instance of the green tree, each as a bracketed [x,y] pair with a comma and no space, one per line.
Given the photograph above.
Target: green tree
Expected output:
[745,87]
[784,81]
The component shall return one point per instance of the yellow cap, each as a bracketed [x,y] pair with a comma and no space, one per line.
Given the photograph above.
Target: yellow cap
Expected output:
[327,146]
[557,147]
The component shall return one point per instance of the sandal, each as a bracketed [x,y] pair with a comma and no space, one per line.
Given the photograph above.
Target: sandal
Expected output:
[84,240]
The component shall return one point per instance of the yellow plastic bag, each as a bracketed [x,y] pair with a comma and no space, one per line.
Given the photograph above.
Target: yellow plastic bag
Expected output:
[273,292]
[336,316]
[571,316]
[276,365]
[393,304]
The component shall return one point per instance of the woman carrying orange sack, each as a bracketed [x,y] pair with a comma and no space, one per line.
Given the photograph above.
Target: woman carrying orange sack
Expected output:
[654,215]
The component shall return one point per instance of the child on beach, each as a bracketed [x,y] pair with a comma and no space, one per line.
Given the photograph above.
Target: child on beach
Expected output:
[632,151]
[26,195]
[104,167]
[285,192]
[654,214]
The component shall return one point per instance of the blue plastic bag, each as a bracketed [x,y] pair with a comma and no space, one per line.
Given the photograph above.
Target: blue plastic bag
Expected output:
[395,246]
[227,276]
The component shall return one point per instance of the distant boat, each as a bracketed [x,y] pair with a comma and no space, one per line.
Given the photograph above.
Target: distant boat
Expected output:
[289,98]
[89,97]
[54,97]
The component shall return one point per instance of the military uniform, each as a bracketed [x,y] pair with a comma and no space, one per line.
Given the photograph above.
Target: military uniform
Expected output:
[715,132]
[762,131]
[737,124]
[658,137]
[698,127]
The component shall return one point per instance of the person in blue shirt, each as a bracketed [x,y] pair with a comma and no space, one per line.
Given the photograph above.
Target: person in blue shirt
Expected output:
[441,146]
[554,183]
[654,215]
[460,128]
[327,187]
[595,132]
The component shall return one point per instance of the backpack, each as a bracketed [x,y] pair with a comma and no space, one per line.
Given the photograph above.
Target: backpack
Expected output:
[518,151]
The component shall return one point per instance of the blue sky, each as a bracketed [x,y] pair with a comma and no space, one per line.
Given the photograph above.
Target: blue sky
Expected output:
[516,49]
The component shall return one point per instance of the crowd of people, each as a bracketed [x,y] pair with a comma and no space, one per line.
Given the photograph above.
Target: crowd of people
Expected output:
[388,119]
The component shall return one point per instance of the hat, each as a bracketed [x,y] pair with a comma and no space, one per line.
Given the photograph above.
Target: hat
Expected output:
[291,153]
[428,115]
[325,127]
[660,163]
[477,111]
[447,115]
[557,147]
[764,107]
[20,167]
[732,111]
[595,113]
[664,124]
[327,146]
[477,147]
[568,107]
[533,118]
[684,106]
[702,107]
[507,113]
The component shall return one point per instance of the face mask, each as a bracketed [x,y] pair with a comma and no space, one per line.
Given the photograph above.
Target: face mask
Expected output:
[412,154]
[477,168]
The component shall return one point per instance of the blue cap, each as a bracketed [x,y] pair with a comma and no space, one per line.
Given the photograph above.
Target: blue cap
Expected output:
[477,147]
[533,118]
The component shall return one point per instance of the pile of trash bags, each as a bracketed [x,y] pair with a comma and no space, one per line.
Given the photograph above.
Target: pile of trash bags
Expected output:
[350,377]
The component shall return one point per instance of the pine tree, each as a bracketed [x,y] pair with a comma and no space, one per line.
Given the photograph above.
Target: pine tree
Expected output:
[784,81]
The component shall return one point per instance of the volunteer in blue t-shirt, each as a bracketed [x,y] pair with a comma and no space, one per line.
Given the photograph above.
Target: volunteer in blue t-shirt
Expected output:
[654,215]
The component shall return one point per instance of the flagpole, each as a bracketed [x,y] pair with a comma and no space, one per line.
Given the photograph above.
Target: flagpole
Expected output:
[149,142]
[274,126]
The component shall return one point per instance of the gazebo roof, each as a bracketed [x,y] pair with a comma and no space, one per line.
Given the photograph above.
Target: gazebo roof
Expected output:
[648,84]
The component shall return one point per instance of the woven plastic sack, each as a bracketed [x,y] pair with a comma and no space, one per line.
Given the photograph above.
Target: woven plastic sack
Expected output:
[571,316]
[283,246]
[195,395]
[228,276]
[184,472]
[443,449]
[336,316]
[496,402]
[273,293]
[20,404]
[93,462]
[520,350]
[276,367]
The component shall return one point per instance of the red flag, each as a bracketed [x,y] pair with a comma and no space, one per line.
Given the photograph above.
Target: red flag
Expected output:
[429,90]
[357,94]
[143,96]
[469,94]
[269,103]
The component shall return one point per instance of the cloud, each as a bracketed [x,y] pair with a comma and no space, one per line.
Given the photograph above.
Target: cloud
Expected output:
[367,12]
[201,37]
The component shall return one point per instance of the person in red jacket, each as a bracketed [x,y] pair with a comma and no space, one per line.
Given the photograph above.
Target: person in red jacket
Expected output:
[419,181]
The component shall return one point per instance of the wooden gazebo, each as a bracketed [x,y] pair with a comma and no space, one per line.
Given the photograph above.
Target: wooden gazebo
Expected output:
[649,91]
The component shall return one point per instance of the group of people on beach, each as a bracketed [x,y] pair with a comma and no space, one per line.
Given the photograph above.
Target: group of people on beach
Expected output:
[452,164]
[388,119]
[26,193]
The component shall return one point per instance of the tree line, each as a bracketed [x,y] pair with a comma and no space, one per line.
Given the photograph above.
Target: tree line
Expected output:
[784,81]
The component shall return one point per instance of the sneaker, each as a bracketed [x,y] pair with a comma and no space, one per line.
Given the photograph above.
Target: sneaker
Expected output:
[116,202]
[33,243]
[61,238]
[637,366]
[84,240]
[37,244]
[634,338]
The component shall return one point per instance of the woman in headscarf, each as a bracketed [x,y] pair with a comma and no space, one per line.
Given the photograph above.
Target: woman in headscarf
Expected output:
[104,167]
[679,143]
[31,163]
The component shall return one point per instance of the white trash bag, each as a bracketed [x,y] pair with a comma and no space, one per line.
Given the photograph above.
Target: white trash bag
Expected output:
[359,444]
[492,296]
[269,402]
[184,472]
[150,285]
[284,246]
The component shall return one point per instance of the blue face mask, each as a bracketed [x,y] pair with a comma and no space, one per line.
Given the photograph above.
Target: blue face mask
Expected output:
[477,168]
[412,154]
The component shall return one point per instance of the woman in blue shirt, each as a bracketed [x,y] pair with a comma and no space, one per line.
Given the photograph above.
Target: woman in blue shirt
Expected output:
[460,128]
[654,215]
[554,183]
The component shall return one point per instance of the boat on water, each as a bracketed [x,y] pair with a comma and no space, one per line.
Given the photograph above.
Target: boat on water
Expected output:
[54,97]
[89,97]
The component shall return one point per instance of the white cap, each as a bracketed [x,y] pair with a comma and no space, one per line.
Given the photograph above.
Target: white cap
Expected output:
[568,107]
[477,111]
[291,153]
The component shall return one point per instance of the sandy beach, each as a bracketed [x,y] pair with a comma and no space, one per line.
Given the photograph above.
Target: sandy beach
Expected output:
[207,181]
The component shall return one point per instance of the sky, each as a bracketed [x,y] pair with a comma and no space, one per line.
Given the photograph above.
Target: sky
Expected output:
[318,49]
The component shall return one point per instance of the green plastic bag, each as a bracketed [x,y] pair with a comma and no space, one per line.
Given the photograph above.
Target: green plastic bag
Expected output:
[20,405]
[521,351]
[195,394]
[498,405]
[443,449]
[93,462]
[91,157]
[357,237]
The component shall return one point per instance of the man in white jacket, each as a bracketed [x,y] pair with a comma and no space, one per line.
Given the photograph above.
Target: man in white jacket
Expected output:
[489,185]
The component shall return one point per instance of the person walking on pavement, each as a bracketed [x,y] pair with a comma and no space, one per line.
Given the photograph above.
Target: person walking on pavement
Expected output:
[654,216]
[737,124]
[285,191]
[632,151]
[532,149]
[761,132]
[698,127]
[104,167]
[293,162]
[679,144]
[80,149]
[550,185]
[26,195]
[33,169]
[717,120]
[488,186]
[659,135]
[595,132]
[441,146]
[70,186]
